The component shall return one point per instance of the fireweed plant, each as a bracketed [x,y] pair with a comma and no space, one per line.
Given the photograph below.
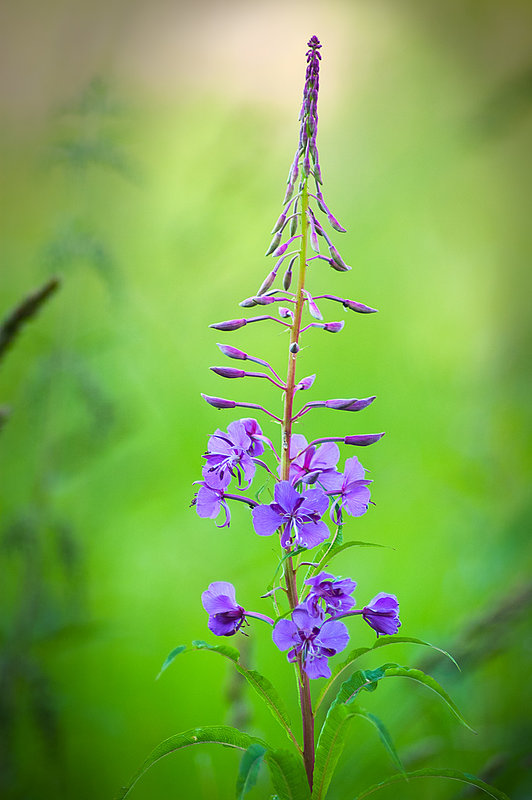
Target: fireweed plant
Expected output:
[313,496]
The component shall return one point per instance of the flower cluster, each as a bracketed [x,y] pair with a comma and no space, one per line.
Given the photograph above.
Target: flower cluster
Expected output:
[307,492]
[314,633]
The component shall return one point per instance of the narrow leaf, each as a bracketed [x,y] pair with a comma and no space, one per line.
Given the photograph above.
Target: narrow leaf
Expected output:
[281,562]
[384,736]
[451,774]
[329,748]
[334,551]
[427,680]
[260,684]
[214,734]
[288,775]
[249,769]
[382,641]
[170,657]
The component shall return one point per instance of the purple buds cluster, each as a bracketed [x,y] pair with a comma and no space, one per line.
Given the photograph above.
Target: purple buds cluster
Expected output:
[307,492]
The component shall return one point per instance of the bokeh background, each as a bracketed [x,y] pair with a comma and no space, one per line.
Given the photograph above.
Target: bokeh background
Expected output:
[144,151]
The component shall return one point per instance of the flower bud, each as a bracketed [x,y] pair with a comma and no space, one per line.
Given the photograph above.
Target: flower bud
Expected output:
[334,264]
[249,302]
[335,224]
[294,348]
[229,325]
[274,243]
[350,405]
[313,308]
[218,402]
[288,195]
[362,440]
[267,283]
[232,352]
[287,279]
[279,224]
[284,312]
[294,222]
[333,327]
[360,307]
[228,372]
[337,258]
[305,383]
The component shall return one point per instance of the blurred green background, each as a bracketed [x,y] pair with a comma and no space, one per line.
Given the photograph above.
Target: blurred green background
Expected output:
[144,151]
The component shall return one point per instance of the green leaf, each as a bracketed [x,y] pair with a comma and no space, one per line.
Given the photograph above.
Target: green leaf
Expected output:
[384,736]
[335,550]
[260,684]
[249,769]
[361,679]
[170,657]
[329,748]
[214,734]
[431,683]
[382,641]
[451,774]
[281,562]
[288,775]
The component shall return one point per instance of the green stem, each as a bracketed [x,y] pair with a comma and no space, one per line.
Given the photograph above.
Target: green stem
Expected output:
[289,571]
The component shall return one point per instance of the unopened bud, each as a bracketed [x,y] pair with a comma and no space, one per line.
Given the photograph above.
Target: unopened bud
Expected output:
[274,243]
[362,440]
[335,224]
[337,258]
[359,307]
[279,224]
[218,402]
[267,283]
[306,383]
[289,193]
[284,312]
[287,279]
[333,327]
[335,265]
[294,348]
[313,308]
[229,325]
[294,223]
[249,302]
[232,352]
[311,477]
[350,405]
[228,372]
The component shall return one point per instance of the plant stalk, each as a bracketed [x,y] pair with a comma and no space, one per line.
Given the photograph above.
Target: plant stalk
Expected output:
[286,429]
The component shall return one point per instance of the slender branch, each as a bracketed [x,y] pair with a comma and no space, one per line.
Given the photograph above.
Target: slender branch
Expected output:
[22,313]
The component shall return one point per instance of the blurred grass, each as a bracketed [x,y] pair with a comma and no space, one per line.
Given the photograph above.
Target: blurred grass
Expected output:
[158,231]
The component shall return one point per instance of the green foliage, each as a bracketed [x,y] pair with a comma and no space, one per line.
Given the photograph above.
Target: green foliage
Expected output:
[450,774]
[288,775]
[170,657]
[260,684]
[330,745]
[384,736]
[249,769]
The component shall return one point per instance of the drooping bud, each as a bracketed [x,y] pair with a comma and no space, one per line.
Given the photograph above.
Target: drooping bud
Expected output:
[313,235]
[312,307]
[274,243]
[335,224]
[363,439]
[279,224]
[218,402]
[228,372]
[258,300]
[284,312]
[294,221]
[337,258]
[333,327]
[334,264]
[232,352]
[287,278]
[359,307]
[350,405]
[249,302]
[267,283]
[284,247]
[229,325]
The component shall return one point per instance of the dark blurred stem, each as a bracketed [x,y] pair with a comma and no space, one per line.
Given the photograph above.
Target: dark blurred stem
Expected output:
[25,310]
[289,571]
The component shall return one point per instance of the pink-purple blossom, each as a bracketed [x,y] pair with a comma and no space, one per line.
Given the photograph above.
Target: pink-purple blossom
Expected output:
[382,614]
[351,488]
[335,593]
[311,459]
[298,514]
[225,615]
[230,454]
[312,639]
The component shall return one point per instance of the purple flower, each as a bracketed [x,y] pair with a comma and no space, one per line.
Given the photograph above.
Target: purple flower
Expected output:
[225,615]
[210,499]
[308,637]
[229,454]
[322,459]
[382,613]
[299,513]
[352,489]
[335,592]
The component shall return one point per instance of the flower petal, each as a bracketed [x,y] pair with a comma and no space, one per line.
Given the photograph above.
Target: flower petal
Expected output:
[266,520]
[218,597]
[285,634]
[333,635]
[312,533]
[317,667]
